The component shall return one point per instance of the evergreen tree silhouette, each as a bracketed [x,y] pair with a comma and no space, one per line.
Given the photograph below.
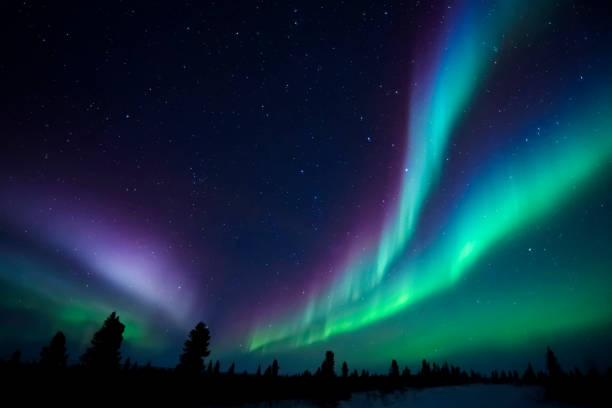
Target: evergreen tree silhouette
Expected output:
[552,365]
[529,375]
[104,354]
[209,371]
[576,373]
[195,350]
[127,365]
[54,356]
[345,370]
[406,372]
[445,371]
[327,367]
[258,373]
[217,368]
[275,368]
[394,369]
[231,370]
[425,369]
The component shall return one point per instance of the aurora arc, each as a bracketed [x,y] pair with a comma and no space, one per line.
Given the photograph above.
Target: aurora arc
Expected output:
[59,302]
[386,279]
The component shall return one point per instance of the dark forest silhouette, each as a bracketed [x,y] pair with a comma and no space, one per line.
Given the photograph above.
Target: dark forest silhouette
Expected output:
[100,379]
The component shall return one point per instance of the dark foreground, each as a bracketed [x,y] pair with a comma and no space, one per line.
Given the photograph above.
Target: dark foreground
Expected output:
[76,386]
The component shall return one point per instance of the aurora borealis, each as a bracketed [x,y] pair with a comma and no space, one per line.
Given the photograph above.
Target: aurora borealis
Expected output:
[429,180]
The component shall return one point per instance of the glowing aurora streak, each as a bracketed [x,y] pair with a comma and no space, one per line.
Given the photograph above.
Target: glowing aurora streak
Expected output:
[497,206]
[38,285]
[74,268]
[111,248]
[435,108]
[513,193]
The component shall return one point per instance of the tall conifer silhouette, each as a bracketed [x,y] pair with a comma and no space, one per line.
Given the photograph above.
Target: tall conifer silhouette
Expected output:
[195,350]
[54,355]
[104,354]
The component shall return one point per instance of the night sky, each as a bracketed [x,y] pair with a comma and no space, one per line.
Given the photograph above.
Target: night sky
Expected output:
[420,179]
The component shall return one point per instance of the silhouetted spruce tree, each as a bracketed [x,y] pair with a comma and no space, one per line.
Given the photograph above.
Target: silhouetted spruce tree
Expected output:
[425,369]
[258,373]
[576,373]
[552,365]
[327,367]
[275,368]
[454,373]
[406,372]
[217,369]
[104,352]
[195,350]
[394,369]
[445,371]
[345,370]
[231,370]
[54,356]
[209,371]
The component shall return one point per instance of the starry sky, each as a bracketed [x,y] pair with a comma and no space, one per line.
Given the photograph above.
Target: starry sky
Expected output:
[408,180]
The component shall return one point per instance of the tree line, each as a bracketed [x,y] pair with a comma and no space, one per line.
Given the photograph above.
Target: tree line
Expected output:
[102,359]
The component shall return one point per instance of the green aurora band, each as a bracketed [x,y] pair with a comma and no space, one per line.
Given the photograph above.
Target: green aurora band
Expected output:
[38,285]
[514,194]
[509,196]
